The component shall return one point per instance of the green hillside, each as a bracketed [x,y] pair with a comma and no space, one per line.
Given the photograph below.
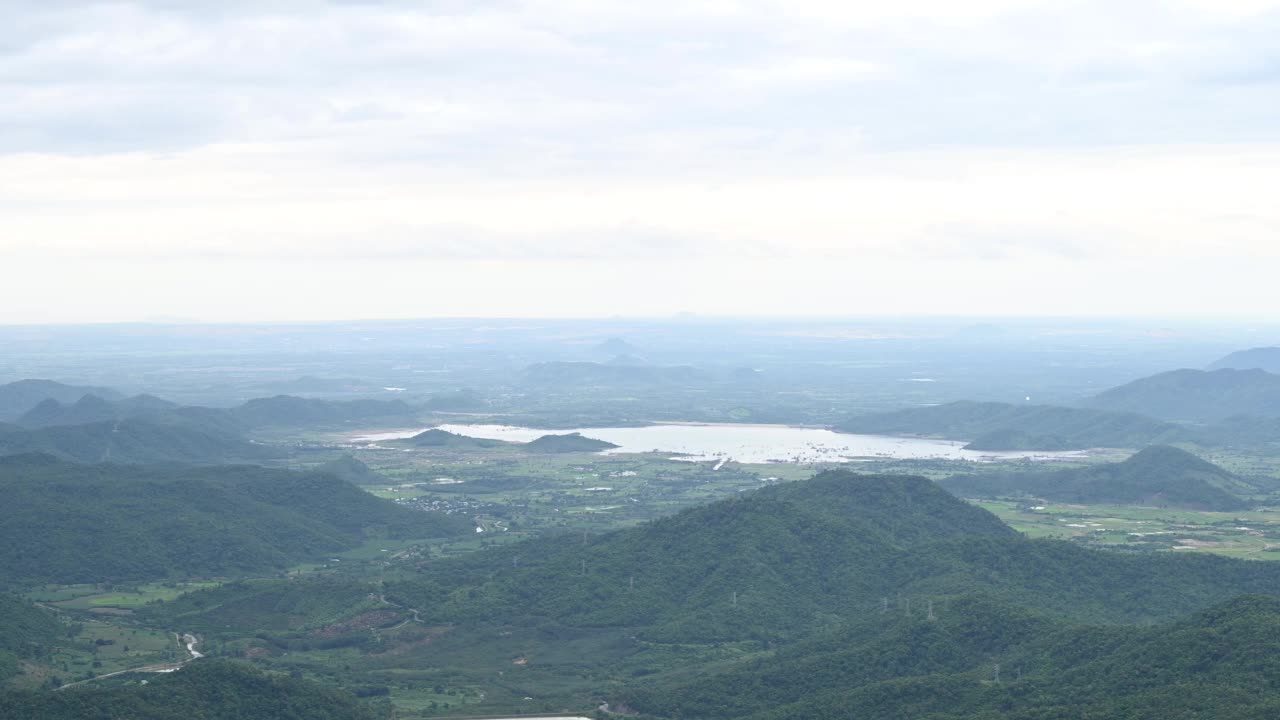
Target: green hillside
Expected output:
[1220,663]
[1197,395]
[74,523]
[1001,426]
[208,690]
[769,564]
[134,440]
[1161,476]
[571,442]
[25,631]
[352,470]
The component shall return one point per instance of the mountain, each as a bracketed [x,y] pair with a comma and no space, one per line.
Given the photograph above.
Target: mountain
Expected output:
[1196,395]
[1001,426]
[286,410]
[207,689]
[572,442]
[17,398]
[436,437]
[135,441]
[72,523]
[590,373]
[978,660]
[25,631]
[771,564]
[92,408]
[1262,358]
[1161,476]
[352,470]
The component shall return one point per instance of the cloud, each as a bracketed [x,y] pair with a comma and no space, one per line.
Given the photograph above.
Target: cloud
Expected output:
[806,138]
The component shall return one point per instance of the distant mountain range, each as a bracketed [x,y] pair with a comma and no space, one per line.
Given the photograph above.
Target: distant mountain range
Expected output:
[1002,426]
[1159,476]
[1196,396]
[1262,358]
[135,440]
[18,398]
[94,523]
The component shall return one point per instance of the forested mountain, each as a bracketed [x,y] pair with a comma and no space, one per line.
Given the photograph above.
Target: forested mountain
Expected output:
[25,631]
[1001,426]
[208,690]
[17,398]
[770,564]
[977,659]
[135,440]
[1197,395]
[64,522]
[1262,358]
[571,442]
[352,470]
[1161,476]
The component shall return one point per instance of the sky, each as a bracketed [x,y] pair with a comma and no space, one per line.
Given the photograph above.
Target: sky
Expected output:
[299,160]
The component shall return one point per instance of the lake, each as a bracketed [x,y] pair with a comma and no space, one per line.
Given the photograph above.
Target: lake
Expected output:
[745,443]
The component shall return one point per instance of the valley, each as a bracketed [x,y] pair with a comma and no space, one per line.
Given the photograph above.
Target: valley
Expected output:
[437,552]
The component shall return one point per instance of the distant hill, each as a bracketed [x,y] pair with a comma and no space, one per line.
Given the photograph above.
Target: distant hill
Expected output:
[1263,358]
[92,408]
[289,411]
[1219,663]
[1196,395]
[209,689]
[135,441]
[572,442]
[1253,434]
[352,470]
[1160,476]
[1001,426]
[25,631]
[436,437]
[94,523]
[590,373]
[17,398]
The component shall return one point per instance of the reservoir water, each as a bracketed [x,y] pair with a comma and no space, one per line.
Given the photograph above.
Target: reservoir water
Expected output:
[744,443]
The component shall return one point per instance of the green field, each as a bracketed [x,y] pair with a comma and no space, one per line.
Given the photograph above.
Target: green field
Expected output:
[1254,534]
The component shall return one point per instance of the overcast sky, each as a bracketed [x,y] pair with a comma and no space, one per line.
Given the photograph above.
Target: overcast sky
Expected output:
[362,159]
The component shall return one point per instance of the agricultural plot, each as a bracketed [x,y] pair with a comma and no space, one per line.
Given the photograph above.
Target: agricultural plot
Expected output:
[1253,534]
